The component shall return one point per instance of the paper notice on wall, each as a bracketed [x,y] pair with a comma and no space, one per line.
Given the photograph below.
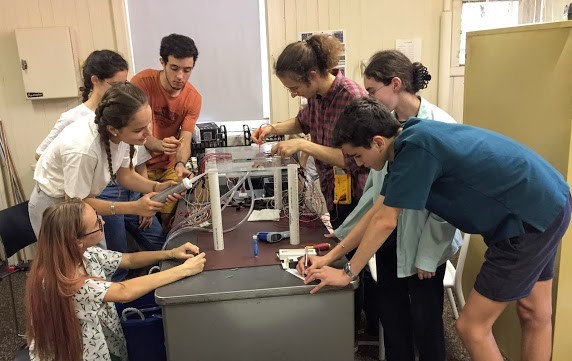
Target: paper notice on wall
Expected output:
[410,47]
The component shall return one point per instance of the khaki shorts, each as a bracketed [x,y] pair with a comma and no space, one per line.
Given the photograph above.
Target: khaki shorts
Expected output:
[162,175]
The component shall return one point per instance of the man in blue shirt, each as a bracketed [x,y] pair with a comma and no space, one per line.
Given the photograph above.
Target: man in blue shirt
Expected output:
[480,182]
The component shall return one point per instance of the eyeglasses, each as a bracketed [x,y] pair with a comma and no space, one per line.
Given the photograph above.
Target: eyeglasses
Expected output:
[112,83]
[293,90]
[371,93]
[99,227]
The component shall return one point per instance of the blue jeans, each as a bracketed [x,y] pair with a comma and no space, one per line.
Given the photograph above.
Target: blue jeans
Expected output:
[117,226]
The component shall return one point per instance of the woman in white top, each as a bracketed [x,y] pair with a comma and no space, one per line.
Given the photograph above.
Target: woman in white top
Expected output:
[100,71]
[69,303]
[85,156]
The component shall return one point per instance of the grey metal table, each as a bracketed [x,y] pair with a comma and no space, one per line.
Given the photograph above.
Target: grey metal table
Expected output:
[254,314]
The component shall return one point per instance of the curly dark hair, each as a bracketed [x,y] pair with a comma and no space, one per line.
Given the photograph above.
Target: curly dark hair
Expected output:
[179,46]
[320,53]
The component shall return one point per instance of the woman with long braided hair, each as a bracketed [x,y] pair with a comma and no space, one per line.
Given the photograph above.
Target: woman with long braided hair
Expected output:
[100,71]
[86,156]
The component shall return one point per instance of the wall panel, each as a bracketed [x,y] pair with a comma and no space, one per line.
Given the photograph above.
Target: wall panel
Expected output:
[370,25]
[27,122]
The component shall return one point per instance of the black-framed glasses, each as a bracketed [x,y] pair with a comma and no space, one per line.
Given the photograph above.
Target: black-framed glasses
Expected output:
[99,227]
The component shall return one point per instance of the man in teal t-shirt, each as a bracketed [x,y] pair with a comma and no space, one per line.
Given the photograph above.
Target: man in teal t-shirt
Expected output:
[480,182]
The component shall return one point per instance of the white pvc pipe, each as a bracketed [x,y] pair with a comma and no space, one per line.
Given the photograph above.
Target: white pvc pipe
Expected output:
[277,162]
[445,56]
[293,206]
[216,212]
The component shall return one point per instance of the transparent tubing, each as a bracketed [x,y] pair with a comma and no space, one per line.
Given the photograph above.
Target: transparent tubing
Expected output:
[249,211]
[293,204]
[216,212]
[182,228]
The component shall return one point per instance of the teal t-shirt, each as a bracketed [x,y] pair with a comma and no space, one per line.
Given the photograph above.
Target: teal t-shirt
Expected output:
[477,180]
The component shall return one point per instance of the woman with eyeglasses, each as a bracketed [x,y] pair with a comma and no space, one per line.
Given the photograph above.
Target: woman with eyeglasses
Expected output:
[86,156]
[411,263]
[307,69]
[69,303]
[101,70]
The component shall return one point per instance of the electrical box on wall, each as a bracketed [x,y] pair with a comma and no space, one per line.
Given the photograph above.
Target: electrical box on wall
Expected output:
[48,64]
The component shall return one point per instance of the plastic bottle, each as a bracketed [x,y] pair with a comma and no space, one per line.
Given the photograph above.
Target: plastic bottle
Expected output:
[182,186]
[255,245]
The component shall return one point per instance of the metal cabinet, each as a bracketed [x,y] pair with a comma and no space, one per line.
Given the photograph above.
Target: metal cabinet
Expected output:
[49,67]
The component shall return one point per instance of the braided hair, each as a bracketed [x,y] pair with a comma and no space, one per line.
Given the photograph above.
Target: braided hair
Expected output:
[387,64]
[117,107]
[103,64]
[320,53]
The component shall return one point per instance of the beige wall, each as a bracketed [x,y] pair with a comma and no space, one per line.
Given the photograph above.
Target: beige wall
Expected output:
[536,113]
[95,24]
[370,25]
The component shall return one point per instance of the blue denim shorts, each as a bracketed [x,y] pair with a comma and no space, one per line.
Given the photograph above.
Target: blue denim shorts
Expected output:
[513,266]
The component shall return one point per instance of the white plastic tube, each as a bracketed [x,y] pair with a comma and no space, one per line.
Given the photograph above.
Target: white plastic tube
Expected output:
[216,212]
[277,162]
[293,205]
[445,56]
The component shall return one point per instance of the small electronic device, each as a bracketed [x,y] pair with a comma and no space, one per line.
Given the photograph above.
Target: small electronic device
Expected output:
[292,255]
[272,237]
[342,187]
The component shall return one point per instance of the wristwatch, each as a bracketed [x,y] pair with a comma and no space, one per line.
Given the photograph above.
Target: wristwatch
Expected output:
[348,271]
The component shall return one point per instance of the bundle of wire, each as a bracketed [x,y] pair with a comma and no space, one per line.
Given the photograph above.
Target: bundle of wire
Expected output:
[201,214]
[213,157]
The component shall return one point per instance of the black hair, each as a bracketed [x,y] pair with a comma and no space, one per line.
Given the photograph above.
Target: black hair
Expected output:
[387,64]
[103,64]
[179,46]
[320,53]
[363,119]
[117,107]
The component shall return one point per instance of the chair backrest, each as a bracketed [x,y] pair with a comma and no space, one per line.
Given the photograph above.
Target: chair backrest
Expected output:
[16,231]
[462,258]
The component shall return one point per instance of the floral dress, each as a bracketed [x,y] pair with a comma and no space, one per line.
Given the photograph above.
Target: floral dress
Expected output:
[100,328]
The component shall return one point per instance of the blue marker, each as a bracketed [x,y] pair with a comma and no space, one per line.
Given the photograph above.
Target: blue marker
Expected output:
[255,245]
